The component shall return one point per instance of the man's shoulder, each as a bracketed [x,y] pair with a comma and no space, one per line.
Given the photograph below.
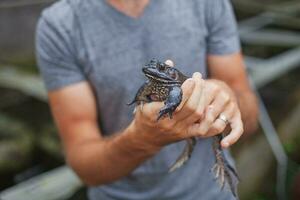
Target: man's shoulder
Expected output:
[60,12]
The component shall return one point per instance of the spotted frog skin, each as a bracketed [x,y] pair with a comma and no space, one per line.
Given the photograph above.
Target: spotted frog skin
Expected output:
[164,84]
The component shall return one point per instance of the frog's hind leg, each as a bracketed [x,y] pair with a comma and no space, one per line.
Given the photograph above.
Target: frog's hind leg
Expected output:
[224,173]
[172,102]
[185,155]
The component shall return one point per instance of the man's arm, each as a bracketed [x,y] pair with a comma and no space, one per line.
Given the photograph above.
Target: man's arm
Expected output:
[231,70]
[97,160]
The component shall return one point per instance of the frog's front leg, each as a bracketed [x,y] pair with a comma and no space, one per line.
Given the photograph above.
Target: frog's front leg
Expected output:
[142,94]
[172,102]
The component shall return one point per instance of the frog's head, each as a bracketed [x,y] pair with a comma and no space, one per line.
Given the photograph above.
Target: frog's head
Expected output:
[161,72]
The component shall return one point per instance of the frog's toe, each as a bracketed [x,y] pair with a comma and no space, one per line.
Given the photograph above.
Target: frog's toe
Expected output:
[164,111]
[170,115]
[219,173]
[134,111]
[161,114]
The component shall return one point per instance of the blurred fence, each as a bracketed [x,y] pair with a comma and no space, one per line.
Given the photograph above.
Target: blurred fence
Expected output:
[18,19]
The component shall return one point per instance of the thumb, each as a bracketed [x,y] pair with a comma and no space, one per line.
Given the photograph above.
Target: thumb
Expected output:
[187,90]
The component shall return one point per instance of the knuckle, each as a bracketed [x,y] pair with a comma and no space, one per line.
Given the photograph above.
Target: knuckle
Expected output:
[218,128]
[225,96]
[167,126]
[200,133]
[196,130]
[209,119]
[198,113]
[190,107]
[214,88]
[217,90]
[191,131]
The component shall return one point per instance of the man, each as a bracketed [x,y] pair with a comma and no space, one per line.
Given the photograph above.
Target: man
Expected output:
[90,54]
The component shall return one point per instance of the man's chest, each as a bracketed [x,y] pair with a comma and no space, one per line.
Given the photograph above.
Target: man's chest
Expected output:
[118,46]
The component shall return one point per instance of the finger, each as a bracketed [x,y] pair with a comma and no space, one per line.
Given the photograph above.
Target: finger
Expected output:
[217,106]
[208,94]
[236,131]
[169,62]
[219,125]
[191,103]
[187,90]
[193,130]
[203,124]
[200,129]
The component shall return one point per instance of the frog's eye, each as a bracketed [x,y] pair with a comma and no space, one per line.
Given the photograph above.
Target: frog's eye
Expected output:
[161,67]
[172,73]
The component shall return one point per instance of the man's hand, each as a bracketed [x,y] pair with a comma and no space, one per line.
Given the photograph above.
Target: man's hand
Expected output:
[217,106]
[197,115]
[231,70]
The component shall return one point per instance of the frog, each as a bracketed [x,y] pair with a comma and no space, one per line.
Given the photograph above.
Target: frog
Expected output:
[163,84]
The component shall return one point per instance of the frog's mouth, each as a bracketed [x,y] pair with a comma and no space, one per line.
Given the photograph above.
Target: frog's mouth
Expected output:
[155,75]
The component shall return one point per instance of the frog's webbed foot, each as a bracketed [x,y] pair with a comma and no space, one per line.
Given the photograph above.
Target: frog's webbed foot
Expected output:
[172,102]
[219,172]
[185,155]
[222,170]
[225,176]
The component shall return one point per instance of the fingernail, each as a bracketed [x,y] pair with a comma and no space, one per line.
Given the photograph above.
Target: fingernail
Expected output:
[197,74]
[169,62]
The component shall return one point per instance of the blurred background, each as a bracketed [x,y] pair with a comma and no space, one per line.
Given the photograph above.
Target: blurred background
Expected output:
[31,160]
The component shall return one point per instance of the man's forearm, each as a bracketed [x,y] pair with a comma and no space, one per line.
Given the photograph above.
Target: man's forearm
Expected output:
[109,159]
[249,110]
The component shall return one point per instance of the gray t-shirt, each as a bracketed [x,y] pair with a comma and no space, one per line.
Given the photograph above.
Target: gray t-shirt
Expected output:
[88,40]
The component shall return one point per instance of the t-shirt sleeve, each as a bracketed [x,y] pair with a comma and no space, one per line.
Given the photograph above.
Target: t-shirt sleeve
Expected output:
[223,36]
[56,54]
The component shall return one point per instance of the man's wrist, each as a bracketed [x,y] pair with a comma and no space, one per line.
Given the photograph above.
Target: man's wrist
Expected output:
[141,140]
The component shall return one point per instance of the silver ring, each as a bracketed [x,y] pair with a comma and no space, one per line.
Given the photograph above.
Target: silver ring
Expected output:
[223,118]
